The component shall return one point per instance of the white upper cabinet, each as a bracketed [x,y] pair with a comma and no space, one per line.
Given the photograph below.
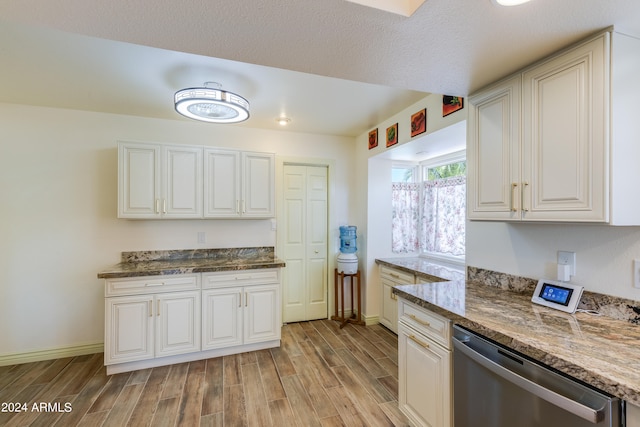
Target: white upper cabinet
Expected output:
[565,145]
[258,185]
[159,181]
[239,184]
[555,143]
[221,183]
[493,152]
[138,180]
[179,181]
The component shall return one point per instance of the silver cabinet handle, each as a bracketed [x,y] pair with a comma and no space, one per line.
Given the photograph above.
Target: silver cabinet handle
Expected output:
[514,185]
[158,313]
[164,206]
[157,206]
[150,308]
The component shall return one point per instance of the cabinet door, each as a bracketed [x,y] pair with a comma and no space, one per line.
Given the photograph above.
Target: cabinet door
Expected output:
[221,183]
[424,370]
[258,185]
[182,195]
[139,180]
[262,317]
[389,315]
[221,318]
[177,321]
[565,158]
[493,152]
[128,329]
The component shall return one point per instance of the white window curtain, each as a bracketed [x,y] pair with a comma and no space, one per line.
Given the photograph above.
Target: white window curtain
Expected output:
[443,216]
[405,217]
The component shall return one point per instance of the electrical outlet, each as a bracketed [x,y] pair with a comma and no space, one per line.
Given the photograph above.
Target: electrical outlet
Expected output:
[201,237]
[568,258]
[636,273]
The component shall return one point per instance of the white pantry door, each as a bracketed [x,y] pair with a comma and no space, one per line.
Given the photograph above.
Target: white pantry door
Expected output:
[305,279]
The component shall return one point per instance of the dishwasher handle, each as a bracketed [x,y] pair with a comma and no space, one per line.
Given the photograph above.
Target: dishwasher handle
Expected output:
[592,415]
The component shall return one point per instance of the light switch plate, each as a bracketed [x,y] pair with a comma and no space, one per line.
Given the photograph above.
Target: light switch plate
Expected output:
[636,273]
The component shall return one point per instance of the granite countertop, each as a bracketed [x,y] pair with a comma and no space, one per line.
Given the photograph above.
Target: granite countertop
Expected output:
[157,263]
[423,268]
[599,350]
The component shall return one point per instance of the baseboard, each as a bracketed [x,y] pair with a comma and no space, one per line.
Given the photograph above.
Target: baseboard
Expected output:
[56,353]
[371,320]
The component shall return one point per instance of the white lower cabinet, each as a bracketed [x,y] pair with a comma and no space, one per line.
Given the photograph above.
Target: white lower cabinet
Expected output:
[390,277]
[148,326]
[424,366]
[160,320]
[237,315]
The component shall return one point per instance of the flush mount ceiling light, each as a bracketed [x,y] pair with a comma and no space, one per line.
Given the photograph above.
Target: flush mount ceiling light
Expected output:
[283,121]
[211,105]
[510,2]
[400,7]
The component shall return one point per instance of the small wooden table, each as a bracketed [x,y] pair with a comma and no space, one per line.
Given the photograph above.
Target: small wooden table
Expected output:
[339,283]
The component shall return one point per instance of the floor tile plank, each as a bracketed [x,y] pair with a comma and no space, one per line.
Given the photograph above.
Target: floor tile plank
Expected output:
[300,402]
[273,388]
[321,375]
[212,401]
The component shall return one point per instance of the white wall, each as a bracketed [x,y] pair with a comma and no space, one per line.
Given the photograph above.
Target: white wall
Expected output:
[58,227]
[604,254]
[374,174]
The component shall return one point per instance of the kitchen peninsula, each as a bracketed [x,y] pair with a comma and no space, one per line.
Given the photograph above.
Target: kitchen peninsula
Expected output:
[165,307]
[596,349]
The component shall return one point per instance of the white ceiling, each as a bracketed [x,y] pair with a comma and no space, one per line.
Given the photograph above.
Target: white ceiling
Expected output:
[333,66]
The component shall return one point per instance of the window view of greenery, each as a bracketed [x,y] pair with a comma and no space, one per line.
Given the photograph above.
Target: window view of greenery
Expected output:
[402,174]
[447,171]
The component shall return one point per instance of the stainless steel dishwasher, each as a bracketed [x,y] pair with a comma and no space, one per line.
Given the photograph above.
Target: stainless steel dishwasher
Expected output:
[497,387]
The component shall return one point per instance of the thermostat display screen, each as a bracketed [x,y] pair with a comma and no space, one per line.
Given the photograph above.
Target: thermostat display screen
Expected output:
[555,293]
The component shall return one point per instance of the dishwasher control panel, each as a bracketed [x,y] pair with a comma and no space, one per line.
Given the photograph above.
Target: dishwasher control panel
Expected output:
[559,295]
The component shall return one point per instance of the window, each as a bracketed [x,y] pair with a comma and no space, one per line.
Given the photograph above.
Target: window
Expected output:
[429,215]
[405,197]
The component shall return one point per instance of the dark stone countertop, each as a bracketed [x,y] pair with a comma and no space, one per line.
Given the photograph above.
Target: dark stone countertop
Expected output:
[157,263]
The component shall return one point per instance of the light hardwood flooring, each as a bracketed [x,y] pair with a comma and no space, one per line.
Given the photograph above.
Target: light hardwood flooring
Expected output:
[320,376]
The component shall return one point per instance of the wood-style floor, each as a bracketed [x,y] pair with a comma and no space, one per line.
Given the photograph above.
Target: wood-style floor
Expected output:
[320,376]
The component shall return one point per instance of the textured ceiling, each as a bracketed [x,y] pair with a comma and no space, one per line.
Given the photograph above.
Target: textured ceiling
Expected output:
[446,46]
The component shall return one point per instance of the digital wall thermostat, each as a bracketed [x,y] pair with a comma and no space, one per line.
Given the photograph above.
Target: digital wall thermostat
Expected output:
[559,295]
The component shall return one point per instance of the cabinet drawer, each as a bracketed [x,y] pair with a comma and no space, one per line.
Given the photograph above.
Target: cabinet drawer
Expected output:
[235,278]
[430,324]
[151,284]
[396,275]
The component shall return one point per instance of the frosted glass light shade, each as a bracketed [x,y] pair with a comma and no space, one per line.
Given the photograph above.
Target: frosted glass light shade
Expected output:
[510,2]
